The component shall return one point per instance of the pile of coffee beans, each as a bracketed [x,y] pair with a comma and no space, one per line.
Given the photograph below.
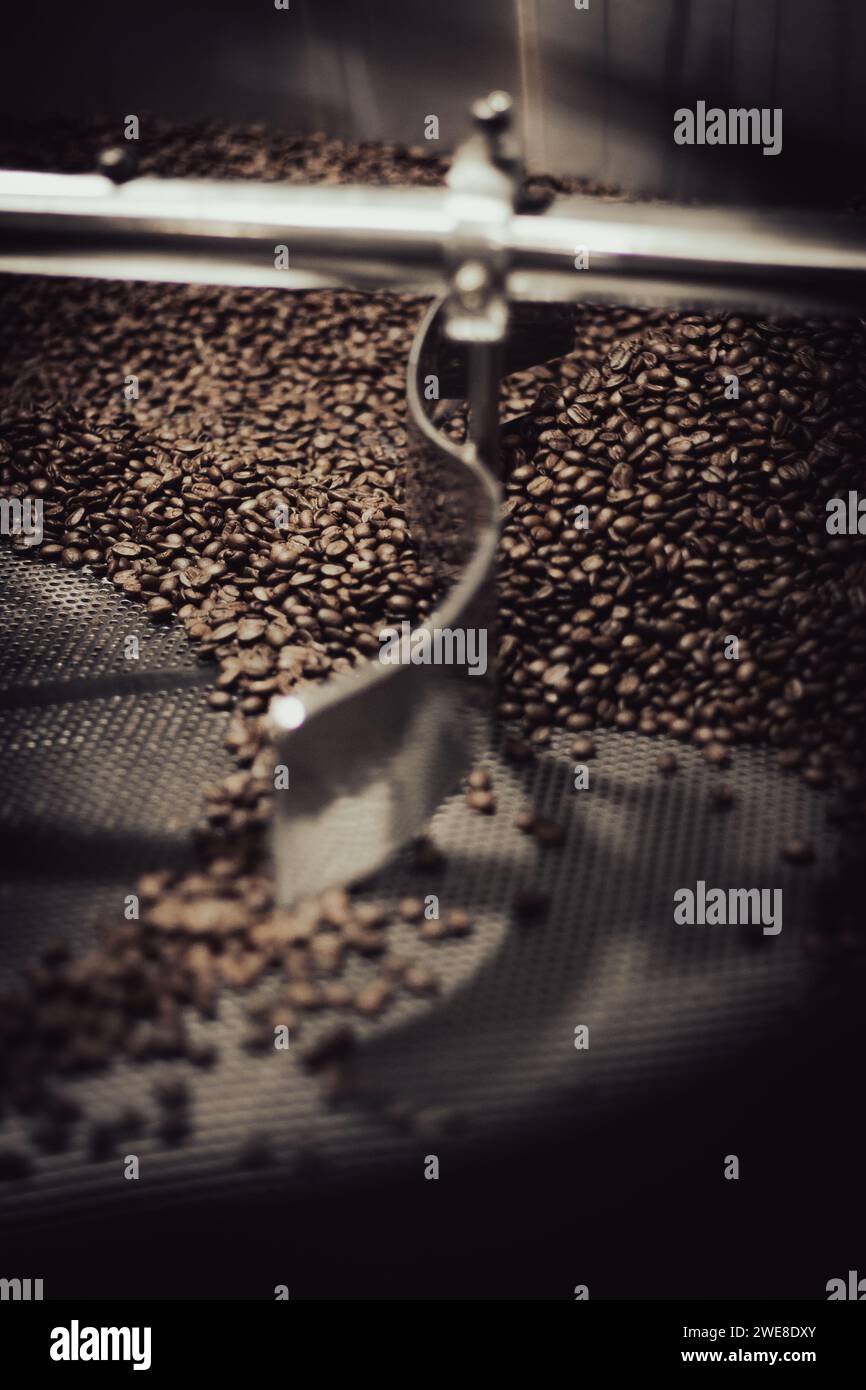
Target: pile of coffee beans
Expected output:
[212,149]
[668,494]
[704,519]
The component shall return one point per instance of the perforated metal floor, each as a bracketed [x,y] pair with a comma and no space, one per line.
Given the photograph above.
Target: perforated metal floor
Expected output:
[102,766]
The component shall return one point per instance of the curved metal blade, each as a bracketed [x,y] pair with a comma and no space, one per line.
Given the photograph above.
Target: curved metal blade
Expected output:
[370,756]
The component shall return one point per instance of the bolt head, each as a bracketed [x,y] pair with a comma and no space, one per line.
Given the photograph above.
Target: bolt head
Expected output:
[471,278]
[117,164]
[493,111]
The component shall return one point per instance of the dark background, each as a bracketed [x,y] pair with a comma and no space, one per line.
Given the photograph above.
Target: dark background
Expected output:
[636,1208]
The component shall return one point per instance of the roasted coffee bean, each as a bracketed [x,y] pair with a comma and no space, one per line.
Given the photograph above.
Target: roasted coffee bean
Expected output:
[531,904]
[159,608]
[432,930]
[426,857]
[717,754]
[548,832]
[457,922]
[172,1093]
[798,852]
[251,629]
[479,780]
[372,998]
[411,909]
[419,980]
[337,1044]
[517,751]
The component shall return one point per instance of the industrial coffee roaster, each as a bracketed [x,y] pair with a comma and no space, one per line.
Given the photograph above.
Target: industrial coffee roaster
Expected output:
[375,754]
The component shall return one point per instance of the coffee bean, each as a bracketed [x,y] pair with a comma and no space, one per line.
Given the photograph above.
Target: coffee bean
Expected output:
[425,855]
[457,922]
[530,904]
[172,1093]
[411,909]
[798,852]
[201,1054]
[717,754]
[372,998]
[433,930]
[517,751]
[548,832]
[251,629]
[160,608]
[419,980]
[789,757]
[337,1044]
[558,677]
[722,797]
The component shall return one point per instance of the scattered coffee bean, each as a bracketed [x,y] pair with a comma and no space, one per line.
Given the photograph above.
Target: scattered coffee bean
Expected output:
[548,833]
[798,852]
[419,980]
[411,909]
[479,780]
[337,1044]
[372,998]
[722,797]
[717,754]
[457,922]
[172,1093]
[530,904]
[426,856]
[517,751]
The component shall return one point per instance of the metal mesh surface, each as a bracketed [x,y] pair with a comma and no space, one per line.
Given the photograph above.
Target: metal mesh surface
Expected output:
[102,767]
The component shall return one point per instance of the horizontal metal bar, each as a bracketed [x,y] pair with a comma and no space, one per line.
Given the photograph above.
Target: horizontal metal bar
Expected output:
[399,238]
[658,254]
[223,232]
